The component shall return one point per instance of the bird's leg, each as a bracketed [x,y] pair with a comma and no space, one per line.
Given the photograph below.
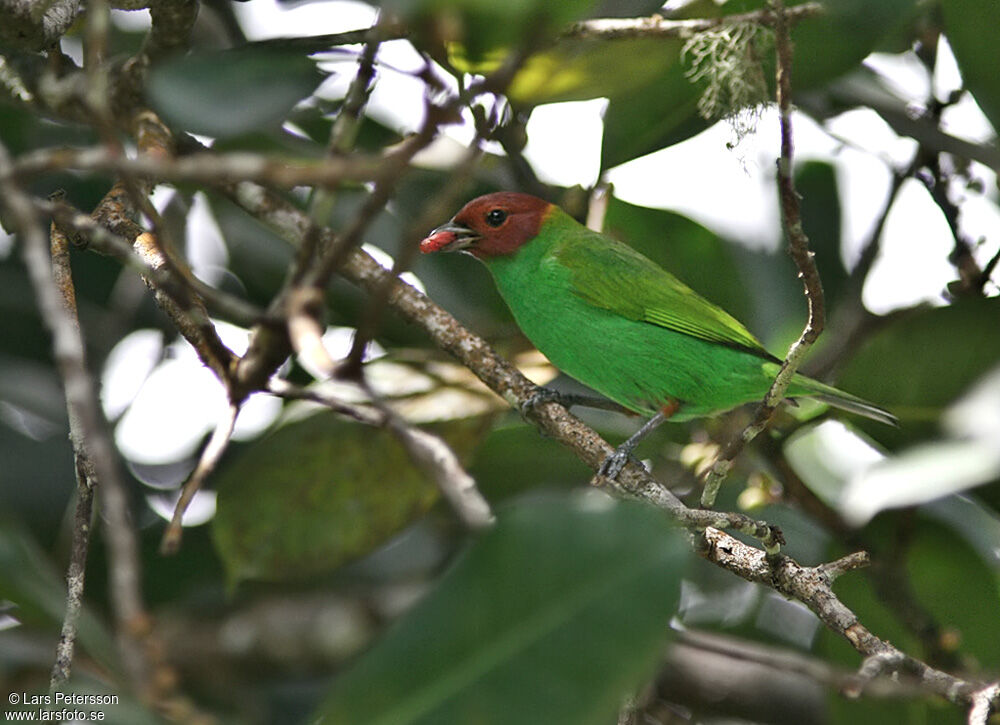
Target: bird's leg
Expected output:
[567,400]
[614,463]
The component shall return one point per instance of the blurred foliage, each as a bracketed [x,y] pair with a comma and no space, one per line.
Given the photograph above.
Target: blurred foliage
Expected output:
[498,640]
[923,362]
[963,22]
[320,473]
[562,610]
[209,93]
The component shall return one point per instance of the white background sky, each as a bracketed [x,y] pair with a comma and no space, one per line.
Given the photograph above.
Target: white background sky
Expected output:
[564,147]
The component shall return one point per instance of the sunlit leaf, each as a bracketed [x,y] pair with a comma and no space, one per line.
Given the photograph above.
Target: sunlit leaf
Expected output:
[552,616]
[483,31]
[581,69]
[228,93]
[920,474]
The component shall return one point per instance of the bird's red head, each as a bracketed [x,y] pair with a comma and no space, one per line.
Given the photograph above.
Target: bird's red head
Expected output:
[490,226]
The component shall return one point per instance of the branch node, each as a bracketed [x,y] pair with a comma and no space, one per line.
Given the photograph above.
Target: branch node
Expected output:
[834,569]
[984,702]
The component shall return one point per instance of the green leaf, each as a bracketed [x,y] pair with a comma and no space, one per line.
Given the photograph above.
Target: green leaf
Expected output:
[231,92]
[553,616]
[833,43]
[970,26]
[917,365]
[481,32]
[580,69]
[318,492]
[816,182]
[514,459]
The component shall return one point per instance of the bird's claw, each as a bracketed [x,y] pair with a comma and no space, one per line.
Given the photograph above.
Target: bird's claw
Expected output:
[614,463]
[539,397]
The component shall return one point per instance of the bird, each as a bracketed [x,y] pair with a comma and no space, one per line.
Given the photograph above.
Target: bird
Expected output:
[616,321]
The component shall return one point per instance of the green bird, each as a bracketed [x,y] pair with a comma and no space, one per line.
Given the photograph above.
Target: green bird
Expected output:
[616,321]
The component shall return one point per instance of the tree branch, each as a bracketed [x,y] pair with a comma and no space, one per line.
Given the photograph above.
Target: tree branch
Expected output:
[657,26]
[204,167]
[22,26]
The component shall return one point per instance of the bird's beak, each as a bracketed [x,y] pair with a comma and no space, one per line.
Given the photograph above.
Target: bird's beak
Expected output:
[450,237]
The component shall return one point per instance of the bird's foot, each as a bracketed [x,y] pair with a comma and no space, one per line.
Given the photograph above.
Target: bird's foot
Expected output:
[541,396]
[615,462]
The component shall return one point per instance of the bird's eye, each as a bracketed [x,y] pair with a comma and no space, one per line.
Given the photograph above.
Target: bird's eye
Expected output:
[496,217]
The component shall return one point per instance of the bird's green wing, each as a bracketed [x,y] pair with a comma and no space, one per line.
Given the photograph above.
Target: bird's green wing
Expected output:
[613,276]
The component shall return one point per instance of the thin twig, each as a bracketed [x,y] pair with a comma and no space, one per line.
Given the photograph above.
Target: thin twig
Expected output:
[316,394]
[207,462]
[68,350]
[851,322]
[343,134]
[851,562]
[392,171]
[345,127]
[798,248]
[436,459]
[427,451]
[812,587]
[776,662]
[86,482]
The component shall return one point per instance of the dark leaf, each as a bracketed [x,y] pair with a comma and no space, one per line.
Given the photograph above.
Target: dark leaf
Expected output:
[553,616]
[969,25]
[228,93]
[918,365]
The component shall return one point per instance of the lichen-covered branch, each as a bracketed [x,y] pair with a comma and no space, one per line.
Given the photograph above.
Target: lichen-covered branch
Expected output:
[22,26]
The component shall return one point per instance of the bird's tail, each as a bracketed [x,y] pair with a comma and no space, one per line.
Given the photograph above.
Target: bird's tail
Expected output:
[839,399]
